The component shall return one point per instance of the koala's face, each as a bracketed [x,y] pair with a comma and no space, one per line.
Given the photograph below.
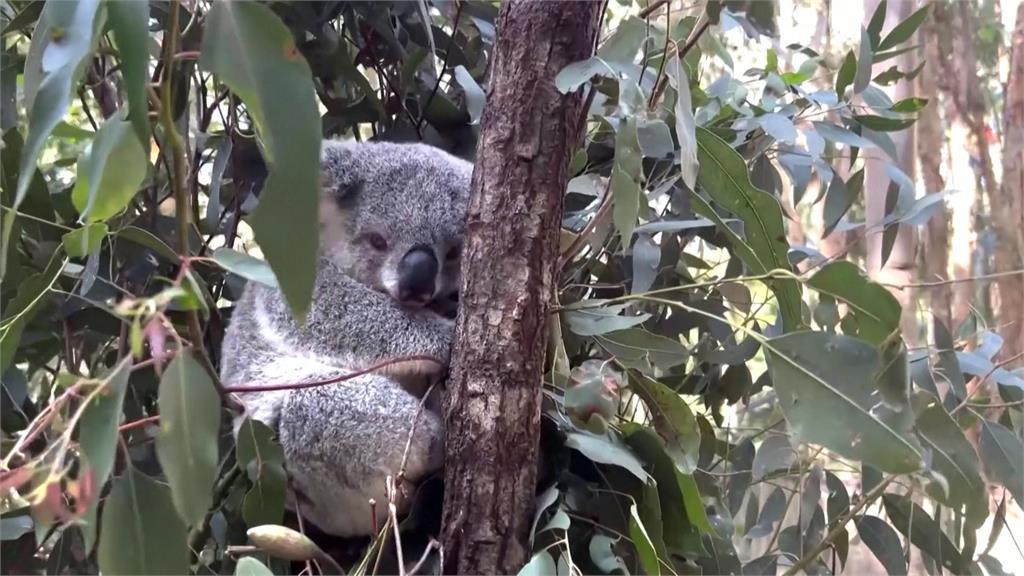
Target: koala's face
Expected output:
[392,217]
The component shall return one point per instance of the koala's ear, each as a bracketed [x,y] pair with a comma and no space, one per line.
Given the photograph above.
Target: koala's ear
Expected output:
[340,174]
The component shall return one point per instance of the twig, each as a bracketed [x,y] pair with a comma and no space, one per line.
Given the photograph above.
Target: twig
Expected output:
[444,66]
[412,431]
[581,238]
[691,41]
[138,423]
[936,283]
[392,492]
[303,385]
[181,197]
[984,378]
[840,525]
[426,553]
[652,7]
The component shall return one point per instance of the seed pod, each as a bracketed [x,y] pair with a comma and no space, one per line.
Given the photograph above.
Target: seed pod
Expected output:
[282,542]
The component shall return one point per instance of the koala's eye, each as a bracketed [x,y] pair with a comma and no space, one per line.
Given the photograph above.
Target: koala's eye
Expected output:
[377,241]
[454,252]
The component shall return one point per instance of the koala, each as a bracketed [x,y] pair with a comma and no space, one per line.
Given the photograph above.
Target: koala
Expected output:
[392,218]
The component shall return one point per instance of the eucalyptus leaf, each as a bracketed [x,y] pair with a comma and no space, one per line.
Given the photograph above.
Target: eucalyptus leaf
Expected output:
[110,171]
[723,175]
[248,47]
[130,23]
[246,266]
[1001,453]
[883,542]
[142,533]
[187,444]
[825,386]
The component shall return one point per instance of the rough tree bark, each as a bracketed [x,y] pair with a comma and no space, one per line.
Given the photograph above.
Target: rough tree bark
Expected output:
[930,137]
[492,414]
[1008,211]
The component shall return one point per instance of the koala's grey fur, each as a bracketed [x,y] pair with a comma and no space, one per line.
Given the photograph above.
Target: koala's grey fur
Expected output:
[341,440]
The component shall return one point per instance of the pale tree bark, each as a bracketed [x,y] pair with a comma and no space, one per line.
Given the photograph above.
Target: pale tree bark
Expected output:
[899,268]
[492,413]
[1008,208]
[930,137]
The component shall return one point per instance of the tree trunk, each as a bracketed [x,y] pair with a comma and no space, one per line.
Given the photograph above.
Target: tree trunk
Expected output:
[930,136]
[899,268]
[1008,209]
[492,415]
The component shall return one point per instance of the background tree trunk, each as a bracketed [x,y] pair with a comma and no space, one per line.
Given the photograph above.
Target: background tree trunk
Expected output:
[492,415]
[930,137]
[1008,209]
[899,269]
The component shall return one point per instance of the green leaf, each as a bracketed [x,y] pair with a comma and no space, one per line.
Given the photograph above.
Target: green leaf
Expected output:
[146,238]
[110,171]
[475,97]
[909,105]
[83,241]
[883,124]
[142,534]
[644,547]
[130,23]
[846,73]
[32,293]
[680,526]
[245,266]
[863,76]
[775,453]
[673,420]
[876,23]
[220,163]
[252,51]
[604,450]
[593,321]
[694,505]
[262,459]
[570,78]
[97,432]
[542,564]
[904,30]
[62,38]
[842,135]
[723,175]
[625,184]
[954,458]
[883,542]
[1001,452]
[876,310]
[914,523]
[187,444]
[249,566]
[825,383]
[643,350]
[840,197]
[602,553]
[621,47]
[948,367]
[686,127]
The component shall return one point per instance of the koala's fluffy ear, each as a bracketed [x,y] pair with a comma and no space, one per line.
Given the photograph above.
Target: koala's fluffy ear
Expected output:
[340,176]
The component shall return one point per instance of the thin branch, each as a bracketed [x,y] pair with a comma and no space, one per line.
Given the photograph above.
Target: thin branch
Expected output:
[444,66]
[303,385]
[178,160]
[870,497]
[936,283]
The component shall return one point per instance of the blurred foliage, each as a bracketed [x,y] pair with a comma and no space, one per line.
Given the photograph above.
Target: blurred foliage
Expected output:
[711,390]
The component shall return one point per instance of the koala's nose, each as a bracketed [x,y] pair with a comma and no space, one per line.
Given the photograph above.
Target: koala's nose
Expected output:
[416,275]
